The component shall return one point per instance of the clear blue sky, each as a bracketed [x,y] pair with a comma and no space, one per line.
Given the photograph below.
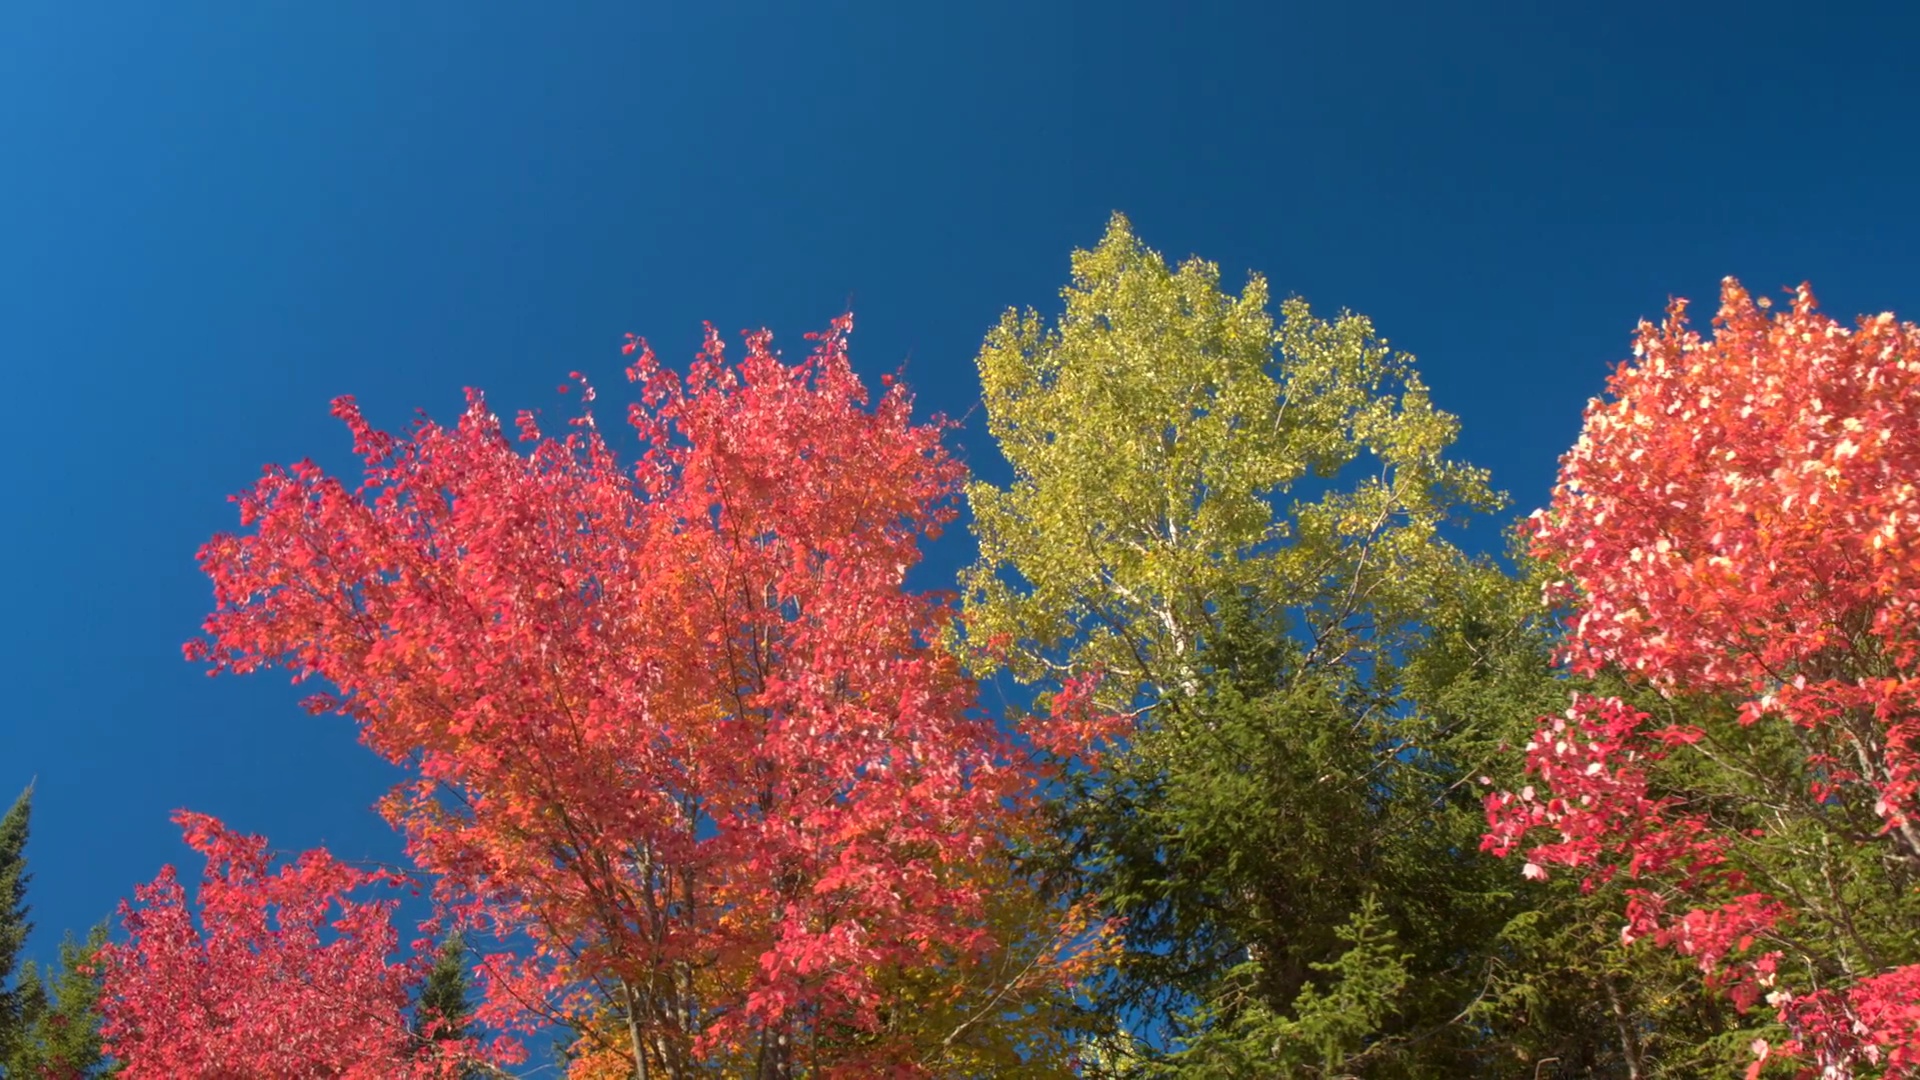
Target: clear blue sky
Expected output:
[217,216]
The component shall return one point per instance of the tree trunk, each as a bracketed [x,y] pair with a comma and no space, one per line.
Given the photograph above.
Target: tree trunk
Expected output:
[1629,1039]
[776,1055]
[633,1032]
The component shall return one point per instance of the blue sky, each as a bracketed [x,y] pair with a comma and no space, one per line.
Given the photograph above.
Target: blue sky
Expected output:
[219,216]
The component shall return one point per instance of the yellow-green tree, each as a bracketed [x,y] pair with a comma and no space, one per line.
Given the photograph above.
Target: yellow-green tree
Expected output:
[1238,524]
[1166,437]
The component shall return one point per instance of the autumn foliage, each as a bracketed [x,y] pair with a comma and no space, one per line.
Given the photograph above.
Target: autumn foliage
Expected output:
[284,972]
[1740,524]
[687,750]
[699,785]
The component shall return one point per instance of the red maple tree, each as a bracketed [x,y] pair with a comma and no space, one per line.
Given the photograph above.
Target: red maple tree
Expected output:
[283,974]
[1740,521]
[685,745]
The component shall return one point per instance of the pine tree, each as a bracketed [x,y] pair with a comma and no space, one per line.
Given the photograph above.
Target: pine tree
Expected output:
[1238,524]
[14,926]
[60,1017]
[443,1009]
[1168,441]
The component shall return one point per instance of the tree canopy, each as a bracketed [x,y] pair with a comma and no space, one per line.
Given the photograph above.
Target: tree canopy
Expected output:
[1295,782]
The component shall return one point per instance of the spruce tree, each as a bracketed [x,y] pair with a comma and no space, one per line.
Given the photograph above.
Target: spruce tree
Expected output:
[1240,525]
[442,1010]
[14,926]
[60,1017]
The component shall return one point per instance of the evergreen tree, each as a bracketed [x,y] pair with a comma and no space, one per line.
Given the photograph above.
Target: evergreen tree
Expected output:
[14,925]
[442,1010]
[1563,996]
[61,1017]
[1237,524]
[49,1022]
